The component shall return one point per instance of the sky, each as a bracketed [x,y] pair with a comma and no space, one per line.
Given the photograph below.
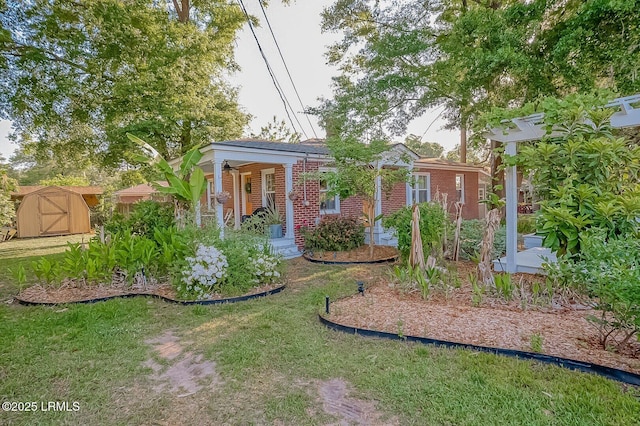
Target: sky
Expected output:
[297,29]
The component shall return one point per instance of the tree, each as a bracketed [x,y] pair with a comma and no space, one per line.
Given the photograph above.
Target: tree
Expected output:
[76,77]
[7,208]
[357,169]
[424,149]
[399,59]
[277,131]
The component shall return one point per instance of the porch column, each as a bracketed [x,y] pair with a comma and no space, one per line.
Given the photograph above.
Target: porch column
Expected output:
[217,187]
[288,187]
[409,195]
[236,199]
[378,206]
[511,193]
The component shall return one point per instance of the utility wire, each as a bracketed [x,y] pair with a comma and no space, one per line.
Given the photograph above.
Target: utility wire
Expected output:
[295,89]
[285,102]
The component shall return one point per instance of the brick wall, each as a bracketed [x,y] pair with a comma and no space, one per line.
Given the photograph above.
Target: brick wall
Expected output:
[395,199]
[305,215]
[444,181]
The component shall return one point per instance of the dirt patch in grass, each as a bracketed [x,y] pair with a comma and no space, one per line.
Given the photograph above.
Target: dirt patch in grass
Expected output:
[334,395]
[74,291]
[186,372]
[360,254]
[558,328]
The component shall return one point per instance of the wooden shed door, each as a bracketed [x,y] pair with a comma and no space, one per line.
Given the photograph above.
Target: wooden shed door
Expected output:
[54,213]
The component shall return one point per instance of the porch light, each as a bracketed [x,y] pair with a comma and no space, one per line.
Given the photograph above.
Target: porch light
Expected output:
[226,167]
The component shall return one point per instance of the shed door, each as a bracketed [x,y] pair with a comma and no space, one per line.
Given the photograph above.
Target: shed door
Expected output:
[54,213]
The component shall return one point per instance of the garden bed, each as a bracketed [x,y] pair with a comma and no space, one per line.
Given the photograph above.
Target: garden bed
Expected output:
[361,254]
[71,292]
[557,329]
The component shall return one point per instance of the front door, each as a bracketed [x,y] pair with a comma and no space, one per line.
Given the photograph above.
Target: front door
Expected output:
[245,190]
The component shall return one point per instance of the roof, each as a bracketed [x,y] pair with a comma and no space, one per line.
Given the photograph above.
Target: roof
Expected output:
[314,147]
[441,163]
[21,191]
[142,189]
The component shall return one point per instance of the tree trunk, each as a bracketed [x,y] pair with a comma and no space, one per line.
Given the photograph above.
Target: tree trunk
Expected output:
[497,176]
[372,224]
[463,143]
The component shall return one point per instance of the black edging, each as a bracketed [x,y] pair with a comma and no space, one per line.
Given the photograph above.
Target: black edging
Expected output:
[157,296]
[608,372]
[357,262]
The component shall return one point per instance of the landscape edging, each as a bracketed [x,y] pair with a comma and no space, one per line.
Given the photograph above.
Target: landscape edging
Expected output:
[601,370]
[157,296]
[357,262]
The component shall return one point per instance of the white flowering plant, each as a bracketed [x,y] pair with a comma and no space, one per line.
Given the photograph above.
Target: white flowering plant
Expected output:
[265,267]
[205,273]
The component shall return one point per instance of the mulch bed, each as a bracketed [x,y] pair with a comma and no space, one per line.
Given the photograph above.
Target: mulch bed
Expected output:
[358,255]
[562,326]
[71,292]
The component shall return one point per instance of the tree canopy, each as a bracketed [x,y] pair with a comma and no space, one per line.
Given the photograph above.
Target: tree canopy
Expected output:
[398,59]
[77,76]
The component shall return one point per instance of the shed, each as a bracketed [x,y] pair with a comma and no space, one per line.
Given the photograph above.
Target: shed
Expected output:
[54,210]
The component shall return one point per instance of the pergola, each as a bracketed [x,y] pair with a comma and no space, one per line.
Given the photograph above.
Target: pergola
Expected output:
[531,128]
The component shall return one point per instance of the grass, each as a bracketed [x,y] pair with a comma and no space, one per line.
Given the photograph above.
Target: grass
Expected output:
[271,355]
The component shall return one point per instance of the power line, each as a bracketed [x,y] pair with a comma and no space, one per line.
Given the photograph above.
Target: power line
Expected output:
[295,89]
[283,97]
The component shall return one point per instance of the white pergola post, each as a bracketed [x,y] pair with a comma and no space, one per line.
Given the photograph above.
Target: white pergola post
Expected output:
[511,192]
[236,198]
[217,185]
[378,206]
[409,189]
[288,187]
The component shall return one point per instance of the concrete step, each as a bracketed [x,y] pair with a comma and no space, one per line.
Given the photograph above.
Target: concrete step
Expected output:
[285,247]
[528,261]
[532,240]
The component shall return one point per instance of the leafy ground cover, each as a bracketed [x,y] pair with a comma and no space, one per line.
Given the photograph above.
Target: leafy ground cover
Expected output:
[269,361]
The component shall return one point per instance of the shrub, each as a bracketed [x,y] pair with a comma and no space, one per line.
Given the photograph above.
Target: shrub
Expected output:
[526,224]
[144,219]
[433,220]
[471,234]
[205,272]
[334,233]
[608,270]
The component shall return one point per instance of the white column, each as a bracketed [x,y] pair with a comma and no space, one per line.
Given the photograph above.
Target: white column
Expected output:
[511,193]
[288,187]
[378,207]
[217,185]
[236,198]
[409,195]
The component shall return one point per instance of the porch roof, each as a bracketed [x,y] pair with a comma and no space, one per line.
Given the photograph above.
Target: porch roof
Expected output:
[300,148]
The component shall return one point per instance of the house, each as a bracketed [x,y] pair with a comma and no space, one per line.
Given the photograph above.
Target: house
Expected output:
[124,199]
[259,173]
[54,210]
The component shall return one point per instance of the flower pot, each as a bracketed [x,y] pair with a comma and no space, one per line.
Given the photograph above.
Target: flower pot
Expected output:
[275,231]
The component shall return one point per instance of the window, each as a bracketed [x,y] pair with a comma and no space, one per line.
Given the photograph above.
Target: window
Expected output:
[460,188]
[421,187]
[328,205]
[482,193]
[269,188]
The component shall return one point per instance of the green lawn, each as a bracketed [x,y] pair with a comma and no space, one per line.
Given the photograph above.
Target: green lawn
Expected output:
[271,358]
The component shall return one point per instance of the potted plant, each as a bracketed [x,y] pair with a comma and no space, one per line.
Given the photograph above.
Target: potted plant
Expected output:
[222,197]
[293,195]
[273,220]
